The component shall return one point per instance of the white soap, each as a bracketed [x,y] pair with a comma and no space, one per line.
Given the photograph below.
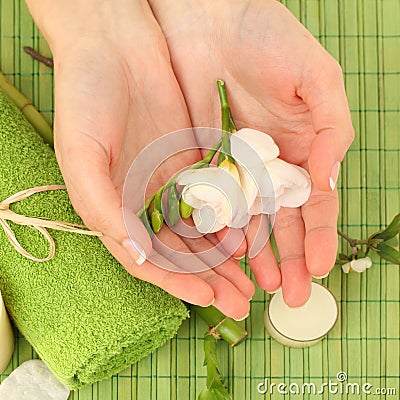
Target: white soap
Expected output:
[32,380]
[302,326]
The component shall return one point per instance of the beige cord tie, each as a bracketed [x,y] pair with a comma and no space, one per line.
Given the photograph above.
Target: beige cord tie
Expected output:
[213,330]
[39,224]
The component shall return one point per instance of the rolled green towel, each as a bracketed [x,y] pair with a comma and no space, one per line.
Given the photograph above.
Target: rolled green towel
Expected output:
[86,317]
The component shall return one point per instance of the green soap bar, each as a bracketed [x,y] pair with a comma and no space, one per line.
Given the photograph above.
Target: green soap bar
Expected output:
[86,317]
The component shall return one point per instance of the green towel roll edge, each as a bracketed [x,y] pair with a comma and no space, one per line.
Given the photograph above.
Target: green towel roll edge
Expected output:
[85,316]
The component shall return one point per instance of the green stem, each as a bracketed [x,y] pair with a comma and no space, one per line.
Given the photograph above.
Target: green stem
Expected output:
[362,241]
[228,125]
[225,109]
[36,119]
[227,328]
[202,163]
[209,156]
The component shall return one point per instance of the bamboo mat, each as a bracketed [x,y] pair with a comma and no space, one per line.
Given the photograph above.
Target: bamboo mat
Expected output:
[364,36]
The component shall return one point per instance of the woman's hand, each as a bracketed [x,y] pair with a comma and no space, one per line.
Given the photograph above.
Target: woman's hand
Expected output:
[281,81]
[115,92]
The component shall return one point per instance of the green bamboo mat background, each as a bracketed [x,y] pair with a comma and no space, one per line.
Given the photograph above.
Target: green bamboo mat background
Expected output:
[364,36]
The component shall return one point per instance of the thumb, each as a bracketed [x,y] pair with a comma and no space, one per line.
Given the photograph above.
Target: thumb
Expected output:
[96,200]
[326,97]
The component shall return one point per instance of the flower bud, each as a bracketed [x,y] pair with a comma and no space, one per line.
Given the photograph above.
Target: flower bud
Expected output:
[173,206]
[185,209]
[157,220]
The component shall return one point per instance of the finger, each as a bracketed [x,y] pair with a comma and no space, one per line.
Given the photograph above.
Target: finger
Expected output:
[289,236]
[228,298]
[264,264]
[326,97]
[188,287]
[229,269]
[233,241]
[320,214]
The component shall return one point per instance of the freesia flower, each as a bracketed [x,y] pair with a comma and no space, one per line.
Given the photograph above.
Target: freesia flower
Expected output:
[258,182]
[269,183]
[216,197]
[359,265]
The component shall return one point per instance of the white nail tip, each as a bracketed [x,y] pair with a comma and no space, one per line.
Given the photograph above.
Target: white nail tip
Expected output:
[332,183]
[322,276]
[242,319]
[140,260]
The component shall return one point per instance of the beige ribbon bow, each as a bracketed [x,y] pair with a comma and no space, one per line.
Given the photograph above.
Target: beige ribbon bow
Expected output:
[39,224]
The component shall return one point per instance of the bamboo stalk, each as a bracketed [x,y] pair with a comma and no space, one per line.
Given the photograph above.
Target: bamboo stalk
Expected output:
[227,328]
[41,126]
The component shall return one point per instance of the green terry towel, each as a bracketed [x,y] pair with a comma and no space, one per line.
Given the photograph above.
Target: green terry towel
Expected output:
[86,317]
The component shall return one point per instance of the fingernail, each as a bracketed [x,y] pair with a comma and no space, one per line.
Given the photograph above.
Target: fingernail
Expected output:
[208,305]
[238,258]
[241,319]
[334,175]
[274,291]
[135,250]
[321,277]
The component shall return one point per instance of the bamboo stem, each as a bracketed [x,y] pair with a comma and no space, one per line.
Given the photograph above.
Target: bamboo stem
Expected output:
[41,126]
[227,328]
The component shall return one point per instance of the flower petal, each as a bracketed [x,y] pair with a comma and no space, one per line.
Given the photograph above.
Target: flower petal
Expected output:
[227,166]
[248,185]
[197,195]
[292,184]
[260,142]
[206,222]
[361,264]
[346,267]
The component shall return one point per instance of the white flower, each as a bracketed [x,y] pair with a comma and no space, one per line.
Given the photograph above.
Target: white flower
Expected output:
[216,196]
[269,183]
[359,265]
[260,182]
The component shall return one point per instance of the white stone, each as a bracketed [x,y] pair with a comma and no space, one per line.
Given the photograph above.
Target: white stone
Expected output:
[32,380]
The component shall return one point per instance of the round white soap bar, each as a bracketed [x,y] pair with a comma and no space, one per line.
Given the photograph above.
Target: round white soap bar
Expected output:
[302,326]
[32,380]
[6,337]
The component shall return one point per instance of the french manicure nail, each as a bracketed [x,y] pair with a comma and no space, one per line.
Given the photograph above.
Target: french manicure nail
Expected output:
[208,305]
[322,276]
[334,175]
[135,250]
[242,319]
[274,291]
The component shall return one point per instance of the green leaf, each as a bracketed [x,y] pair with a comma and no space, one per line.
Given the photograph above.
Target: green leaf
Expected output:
[393,242]
[206,394]
[390,231]
[343,257]
[214,394]
[389,253]
[215,385]
[173,206]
